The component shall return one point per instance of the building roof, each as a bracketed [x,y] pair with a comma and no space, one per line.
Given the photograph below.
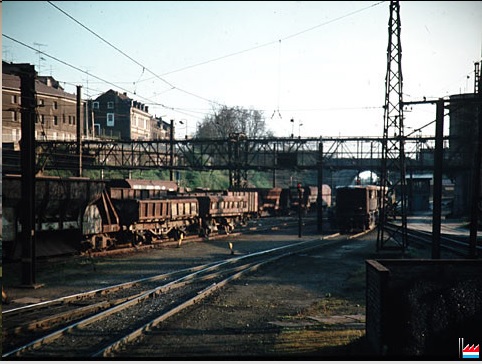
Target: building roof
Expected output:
[120,95]
[134,104]
[13,82]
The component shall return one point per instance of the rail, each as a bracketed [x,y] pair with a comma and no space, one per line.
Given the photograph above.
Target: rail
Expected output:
[128,317]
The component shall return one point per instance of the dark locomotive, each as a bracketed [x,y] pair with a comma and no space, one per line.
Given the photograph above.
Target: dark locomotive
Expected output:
[357,208]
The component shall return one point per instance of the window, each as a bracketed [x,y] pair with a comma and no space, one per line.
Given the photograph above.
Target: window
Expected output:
[73,120]
[14,116]
[63,118]
[56,120]
[110,119]
[42,119]
[95,105]
[14,99]
[55,106]
[41,102]
[110,104]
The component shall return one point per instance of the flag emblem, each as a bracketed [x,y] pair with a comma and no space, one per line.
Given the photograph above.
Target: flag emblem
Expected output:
[470,352]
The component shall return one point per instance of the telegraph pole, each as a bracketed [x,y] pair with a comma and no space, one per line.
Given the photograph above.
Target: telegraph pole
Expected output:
[437,172]
[79,129]
[171,159]
[437,181]
[300,197]
[27,236]
[476,178]
[319,204]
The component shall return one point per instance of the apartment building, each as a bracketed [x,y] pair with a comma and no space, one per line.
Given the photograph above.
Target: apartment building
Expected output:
[56,109]
[114,115]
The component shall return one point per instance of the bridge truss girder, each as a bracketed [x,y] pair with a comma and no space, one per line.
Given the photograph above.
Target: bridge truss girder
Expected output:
[236,156]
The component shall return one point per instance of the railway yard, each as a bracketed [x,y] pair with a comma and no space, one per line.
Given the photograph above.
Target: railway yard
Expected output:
[122,241]
[137,269]
[215,297]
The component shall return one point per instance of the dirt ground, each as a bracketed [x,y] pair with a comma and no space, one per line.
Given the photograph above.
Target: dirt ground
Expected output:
[307,306]
[310,305]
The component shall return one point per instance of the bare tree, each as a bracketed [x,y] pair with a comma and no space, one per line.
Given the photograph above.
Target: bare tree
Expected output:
[225,121]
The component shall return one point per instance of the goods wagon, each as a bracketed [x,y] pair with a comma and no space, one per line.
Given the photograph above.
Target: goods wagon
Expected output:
[59,206]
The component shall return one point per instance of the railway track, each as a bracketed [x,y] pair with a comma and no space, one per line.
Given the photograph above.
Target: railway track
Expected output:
[457,245]
[98,323]
[24,323]
[257,225]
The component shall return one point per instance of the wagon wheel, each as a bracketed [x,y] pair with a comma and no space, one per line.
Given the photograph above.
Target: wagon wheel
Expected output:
[207,232]
[229,228]
[137,239]
[148,238]
[179,235]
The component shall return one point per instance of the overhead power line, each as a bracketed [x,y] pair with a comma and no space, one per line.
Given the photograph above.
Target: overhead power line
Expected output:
[172,86]
[129,57]
[268,43]
[81,70]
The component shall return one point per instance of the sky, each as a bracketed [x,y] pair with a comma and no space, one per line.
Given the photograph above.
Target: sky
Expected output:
[321,64]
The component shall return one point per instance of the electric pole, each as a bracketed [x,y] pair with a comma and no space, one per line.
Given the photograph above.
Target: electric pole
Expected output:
[392,181]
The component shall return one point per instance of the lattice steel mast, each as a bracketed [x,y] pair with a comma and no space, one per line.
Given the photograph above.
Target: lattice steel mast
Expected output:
[393,154]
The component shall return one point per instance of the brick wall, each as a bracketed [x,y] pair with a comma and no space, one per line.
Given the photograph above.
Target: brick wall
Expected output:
[419,308]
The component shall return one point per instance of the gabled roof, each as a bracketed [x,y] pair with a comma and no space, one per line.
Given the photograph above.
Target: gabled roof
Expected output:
[122,96]
[13,82]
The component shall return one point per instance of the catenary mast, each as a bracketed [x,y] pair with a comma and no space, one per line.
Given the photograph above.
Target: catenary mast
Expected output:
[393,154]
